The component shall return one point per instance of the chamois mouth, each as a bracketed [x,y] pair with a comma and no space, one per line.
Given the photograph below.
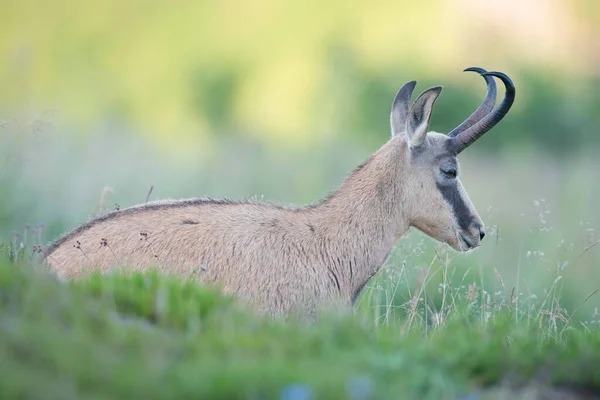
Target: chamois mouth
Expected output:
[465,244]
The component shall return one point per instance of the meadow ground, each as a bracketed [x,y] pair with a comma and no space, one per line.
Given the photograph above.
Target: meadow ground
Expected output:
[146,336]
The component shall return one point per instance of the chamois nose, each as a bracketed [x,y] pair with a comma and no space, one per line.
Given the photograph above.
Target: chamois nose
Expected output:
[481,232]
[478,227]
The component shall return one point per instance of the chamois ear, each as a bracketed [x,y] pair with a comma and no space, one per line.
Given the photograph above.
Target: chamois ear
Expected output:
[420,114]
[401,108]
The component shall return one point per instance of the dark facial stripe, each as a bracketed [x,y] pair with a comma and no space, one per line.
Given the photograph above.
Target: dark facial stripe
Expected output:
[452,195]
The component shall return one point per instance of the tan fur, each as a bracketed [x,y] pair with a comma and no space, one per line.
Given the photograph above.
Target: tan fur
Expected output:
[279,259]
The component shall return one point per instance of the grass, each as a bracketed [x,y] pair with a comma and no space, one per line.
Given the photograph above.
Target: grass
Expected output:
[154,337]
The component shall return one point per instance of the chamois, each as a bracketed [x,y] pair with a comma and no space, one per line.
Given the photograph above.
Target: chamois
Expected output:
[278,259]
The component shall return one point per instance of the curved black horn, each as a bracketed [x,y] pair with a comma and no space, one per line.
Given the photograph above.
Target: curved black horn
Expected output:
[468,136]
[485,107]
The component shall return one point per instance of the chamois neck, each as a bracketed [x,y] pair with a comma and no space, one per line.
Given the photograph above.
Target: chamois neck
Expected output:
[364,217]
[373,194]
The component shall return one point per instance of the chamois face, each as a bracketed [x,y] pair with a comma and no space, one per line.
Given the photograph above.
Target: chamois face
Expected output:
[436,202]
[441,207]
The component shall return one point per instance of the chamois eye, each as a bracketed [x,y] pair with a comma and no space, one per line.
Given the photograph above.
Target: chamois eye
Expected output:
[449,173]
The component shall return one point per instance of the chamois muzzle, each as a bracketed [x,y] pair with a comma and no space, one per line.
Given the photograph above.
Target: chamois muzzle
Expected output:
[482,120]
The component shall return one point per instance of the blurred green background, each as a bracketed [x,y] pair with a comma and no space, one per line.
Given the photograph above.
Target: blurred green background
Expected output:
[280,100]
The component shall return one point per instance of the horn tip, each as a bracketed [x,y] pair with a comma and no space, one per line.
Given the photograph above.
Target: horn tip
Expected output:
[503,77]
[475,69]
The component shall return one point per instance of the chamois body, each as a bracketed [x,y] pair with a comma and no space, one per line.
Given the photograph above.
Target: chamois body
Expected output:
[281,260]
[273,257]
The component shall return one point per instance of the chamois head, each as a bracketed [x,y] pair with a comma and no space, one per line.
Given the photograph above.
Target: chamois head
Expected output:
[442,209]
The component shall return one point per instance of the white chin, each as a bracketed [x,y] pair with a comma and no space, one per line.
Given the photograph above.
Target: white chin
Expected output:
[460,246]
